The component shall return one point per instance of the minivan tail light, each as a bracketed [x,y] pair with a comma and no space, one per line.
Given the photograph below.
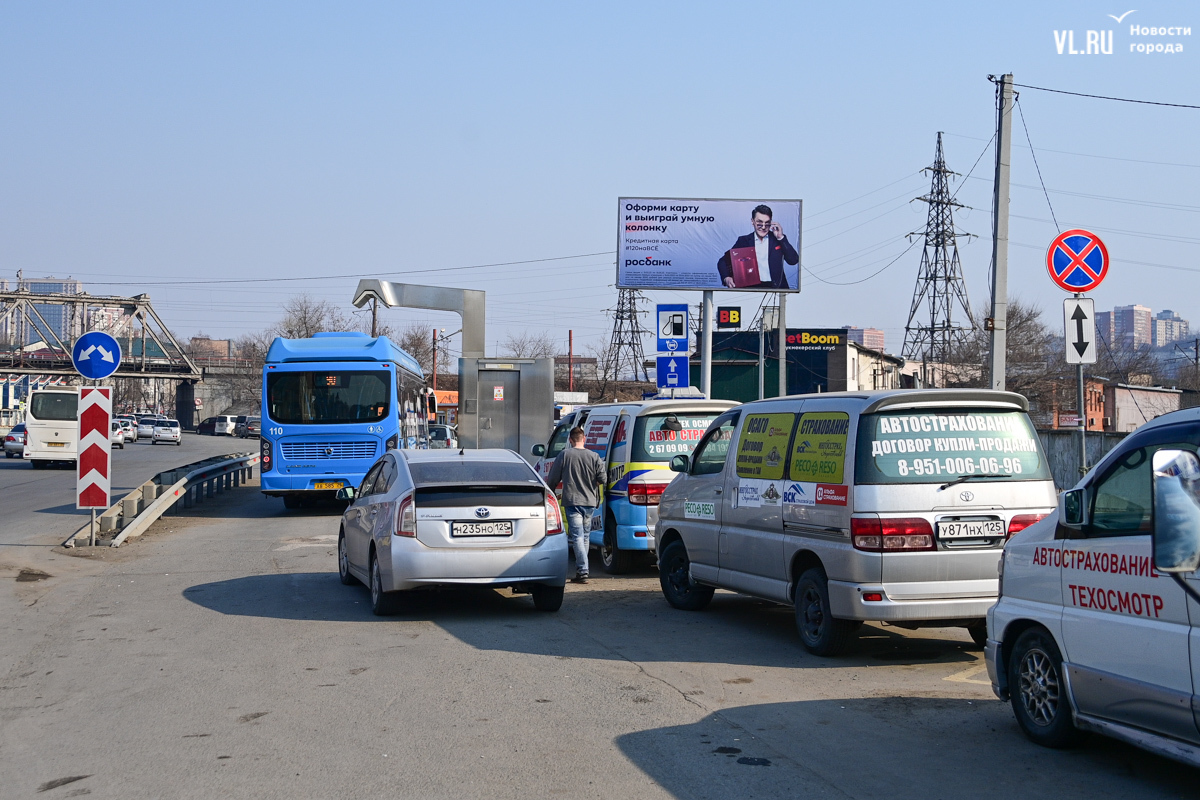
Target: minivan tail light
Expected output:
[554,523]
[1022,521]
[646,494]
[885,535]
[406,518]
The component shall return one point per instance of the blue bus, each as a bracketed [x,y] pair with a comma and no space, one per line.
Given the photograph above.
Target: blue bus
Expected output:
[331,405]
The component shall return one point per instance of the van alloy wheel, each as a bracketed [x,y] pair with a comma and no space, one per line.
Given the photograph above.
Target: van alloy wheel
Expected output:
[1039,689]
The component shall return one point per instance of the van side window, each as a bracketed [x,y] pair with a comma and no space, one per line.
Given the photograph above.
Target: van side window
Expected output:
[713,448]
[1123,503]
[558,441]
[763,445]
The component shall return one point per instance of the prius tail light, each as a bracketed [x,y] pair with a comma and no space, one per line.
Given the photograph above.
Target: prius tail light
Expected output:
[554,522]
[903,535]
[646,494]
[406,518]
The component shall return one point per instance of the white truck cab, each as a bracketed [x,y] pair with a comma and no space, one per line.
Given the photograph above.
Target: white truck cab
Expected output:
[1097,627]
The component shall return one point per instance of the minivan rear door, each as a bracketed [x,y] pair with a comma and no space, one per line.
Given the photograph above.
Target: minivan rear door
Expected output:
[751,541]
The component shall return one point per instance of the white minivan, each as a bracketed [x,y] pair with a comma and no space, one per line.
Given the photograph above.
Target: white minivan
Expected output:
[855,506]
[1097,627]
[52,427]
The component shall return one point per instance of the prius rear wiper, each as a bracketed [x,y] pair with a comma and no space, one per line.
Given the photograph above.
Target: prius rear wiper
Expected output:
[959,480]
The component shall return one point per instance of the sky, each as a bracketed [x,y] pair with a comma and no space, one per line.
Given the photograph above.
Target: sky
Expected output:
[223,157]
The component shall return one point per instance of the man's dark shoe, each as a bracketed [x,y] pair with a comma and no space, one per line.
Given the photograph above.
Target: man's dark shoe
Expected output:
[579,579]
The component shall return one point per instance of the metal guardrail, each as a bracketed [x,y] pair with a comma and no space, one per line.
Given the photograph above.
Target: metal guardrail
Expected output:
[181,487]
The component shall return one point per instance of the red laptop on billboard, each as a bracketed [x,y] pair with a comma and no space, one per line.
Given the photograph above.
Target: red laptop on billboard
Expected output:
[745,267]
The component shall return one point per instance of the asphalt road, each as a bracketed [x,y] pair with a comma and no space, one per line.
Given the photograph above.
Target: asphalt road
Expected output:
[38,508]
[219,656]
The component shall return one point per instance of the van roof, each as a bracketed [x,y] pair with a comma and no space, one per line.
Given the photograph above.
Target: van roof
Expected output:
[897,399]
[649,406]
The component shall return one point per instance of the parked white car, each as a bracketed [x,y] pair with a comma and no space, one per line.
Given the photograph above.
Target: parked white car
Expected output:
[167,430]
[116,437]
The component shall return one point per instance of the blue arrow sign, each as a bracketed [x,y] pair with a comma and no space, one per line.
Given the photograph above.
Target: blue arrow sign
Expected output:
[672,327]
[96,355]
[673,372]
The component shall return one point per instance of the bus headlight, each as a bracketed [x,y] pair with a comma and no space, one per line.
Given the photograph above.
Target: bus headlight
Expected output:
[392,442]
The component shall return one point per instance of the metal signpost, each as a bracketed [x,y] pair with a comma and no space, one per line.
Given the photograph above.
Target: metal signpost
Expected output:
[1077,261]
[96,355]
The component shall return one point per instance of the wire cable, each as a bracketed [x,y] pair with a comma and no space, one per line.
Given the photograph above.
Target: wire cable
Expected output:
[1105,97]
[872,275]
[1033,153]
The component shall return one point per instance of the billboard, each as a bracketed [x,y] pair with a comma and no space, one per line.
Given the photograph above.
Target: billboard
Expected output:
[727,245]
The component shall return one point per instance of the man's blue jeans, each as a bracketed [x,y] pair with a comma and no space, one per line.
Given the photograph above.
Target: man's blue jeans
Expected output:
[579,521]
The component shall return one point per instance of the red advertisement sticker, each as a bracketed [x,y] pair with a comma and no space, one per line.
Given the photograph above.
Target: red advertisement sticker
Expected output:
[829,495]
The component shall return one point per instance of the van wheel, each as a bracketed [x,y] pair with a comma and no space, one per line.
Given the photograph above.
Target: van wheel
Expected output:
[344,561]
[674,576]
[547,598]
[383,604]
[820,633]
[615,560]
[1038,692]
[978,633]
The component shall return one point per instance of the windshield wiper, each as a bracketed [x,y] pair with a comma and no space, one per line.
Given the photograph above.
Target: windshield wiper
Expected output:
[959,480]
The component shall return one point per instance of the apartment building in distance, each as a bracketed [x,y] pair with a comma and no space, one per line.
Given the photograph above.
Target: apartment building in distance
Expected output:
[1168,328]
[1137,326]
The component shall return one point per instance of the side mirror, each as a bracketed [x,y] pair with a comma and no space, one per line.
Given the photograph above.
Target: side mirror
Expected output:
[680,463]
[1176,532]
[346,493]
[539,450]
[1070,508]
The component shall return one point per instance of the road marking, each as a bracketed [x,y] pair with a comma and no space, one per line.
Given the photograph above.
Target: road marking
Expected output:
[968,675]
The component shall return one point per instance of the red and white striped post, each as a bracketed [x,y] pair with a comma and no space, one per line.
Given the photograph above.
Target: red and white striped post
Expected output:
[93,464]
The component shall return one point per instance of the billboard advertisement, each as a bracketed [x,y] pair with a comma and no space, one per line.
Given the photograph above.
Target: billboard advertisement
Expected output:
[728,245]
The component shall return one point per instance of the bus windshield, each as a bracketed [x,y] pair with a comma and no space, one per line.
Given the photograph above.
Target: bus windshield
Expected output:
[54,406]
[328,397]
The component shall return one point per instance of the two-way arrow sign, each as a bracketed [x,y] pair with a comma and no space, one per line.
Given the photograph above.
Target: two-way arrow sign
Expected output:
[104,354]
[1079,323]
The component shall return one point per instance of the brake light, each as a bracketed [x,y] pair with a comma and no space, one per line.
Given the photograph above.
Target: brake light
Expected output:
[646,494]
[876,535]
[1022,521]
[406,518]
[554,523]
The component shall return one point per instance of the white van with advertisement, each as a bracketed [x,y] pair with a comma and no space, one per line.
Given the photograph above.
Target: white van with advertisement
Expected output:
[52,427]
[1097,627]
[889,507]
[637,441]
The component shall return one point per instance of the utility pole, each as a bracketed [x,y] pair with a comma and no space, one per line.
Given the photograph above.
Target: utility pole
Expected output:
[706,311]
[998,322]
[435,346]
[375,318]
[570,361]
[783,387]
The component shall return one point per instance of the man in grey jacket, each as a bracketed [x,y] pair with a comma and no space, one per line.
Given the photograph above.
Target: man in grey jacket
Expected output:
[582,474]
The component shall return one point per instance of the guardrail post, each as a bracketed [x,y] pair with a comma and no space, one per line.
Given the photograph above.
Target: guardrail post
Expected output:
[129,509]
[237,477]
[209,491]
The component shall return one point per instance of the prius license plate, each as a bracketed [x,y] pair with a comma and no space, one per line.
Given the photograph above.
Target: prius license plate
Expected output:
[495,528]
[56,444]
[971,529]
[329,484]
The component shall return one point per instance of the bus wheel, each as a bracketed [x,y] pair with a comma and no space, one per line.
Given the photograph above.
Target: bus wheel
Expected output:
[615,560]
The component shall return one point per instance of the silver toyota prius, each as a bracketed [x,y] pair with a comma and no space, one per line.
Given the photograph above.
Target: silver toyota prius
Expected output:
[424,518]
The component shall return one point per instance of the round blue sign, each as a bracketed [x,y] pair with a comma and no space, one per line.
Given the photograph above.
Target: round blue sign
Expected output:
[96,355]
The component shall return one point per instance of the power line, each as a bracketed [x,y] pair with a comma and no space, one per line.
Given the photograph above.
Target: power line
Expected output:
[1033,153]
[1091,155]
[872,275]
[1105,97]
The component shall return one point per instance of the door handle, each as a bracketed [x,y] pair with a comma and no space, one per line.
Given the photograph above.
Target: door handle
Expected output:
[718,491]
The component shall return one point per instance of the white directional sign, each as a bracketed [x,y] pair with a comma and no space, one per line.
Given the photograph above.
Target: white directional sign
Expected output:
[1079,318]
[673,372]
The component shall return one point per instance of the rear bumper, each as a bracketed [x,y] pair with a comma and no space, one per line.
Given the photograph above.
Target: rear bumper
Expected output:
[287,484]
[414,565]
[846,602]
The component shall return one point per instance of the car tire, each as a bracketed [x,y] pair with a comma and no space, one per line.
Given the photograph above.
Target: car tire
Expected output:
[614,560]
[674,576]
[383,604]
[820,633]
[344,574]
[978,633]
[547,598]
[1038,692]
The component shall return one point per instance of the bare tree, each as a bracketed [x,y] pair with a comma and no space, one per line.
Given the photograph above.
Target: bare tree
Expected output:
[305,315]
[530,345]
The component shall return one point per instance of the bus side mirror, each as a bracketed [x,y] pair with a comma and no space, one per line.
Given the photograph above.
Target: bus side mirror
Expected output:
[679,463]
[538,450]
[346,493]
[1070,508]
[1176,531]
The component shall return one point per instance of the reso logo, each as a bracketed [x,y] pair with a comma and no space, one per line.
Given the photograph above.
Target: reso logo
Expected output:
[647,262]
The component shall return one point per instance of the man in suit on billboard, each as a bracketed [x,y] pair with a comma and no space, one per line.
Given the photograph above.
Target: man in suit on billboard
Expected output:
[771,248]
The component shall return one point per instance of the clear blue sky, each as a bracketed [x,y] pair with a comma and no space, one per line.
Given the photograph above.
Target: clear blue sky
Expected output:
[149,143]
